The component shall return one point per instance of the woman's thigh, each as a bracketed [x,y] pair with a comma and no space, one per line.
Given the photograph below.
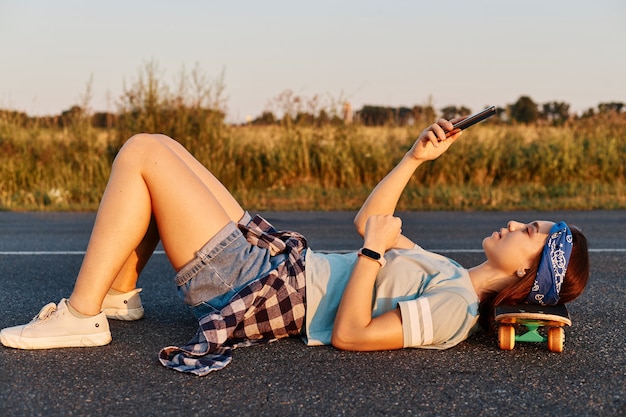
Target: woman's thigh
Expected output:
[226,199]
[187,212]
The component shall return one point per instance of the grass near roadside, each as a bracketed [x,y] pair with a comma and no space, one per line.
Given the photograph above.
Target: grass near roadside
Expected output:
[493,167]
[295,166]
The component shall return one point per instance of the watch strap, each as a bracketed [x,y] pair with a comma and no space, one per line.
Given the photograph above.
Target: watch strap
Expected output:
[373,255]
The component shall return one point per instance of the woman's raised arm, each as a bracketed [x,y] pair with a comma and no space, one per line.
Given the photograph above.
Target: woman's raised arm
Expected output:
[354,327]
[383,199]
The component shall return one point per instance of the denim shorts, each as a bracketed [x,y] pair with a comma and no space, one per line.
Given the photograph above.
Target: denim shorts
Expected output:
[224,265]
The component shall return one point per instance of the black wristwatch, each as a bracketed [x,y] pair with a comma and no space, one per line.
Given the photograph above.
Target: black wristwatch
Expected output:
[373,255]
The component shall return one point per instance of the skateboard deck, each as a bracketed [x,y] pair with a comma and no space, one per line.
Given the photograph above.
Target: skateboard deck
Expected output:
[534,323]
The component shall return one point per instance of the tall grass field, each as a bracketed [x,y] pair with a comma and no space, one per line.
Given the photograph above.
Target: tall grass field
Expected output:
[315,166]
[578,166]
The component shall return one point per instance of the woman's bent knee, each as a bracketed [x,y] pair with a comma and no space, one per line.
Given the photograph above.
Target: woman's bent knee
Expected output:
[140,146]
[141,140]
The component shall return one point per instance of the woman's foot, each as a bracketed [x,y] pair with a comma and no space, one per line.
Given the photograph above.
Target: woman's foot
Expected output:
[123,306]
[57,327]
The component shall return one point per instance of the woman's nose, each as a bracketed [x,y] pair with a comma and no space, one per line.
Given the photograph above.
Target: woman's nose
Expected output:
[513,226]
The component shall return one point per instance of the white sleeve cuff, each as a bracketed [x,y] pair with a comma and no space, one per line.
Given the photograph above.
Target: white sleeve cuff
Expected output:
[417,322]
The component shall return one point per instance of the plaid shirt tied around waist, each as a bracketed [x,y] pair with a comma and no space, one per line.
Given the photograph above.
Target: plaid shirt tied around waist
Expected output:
[267,309]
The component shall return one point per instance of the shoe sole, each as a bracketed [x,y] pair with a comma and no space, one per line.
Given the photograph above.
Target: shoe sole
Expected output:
[131,314]
[20,342]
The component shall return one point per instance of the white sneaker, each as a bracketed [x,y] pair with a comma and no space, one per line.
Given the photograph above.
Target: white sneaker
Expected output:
[56,327]
[126,306]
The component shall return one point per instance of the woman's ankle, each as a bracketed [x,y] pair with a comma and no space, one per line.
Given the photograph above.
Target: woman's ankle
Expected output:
[80,310]
[77,313]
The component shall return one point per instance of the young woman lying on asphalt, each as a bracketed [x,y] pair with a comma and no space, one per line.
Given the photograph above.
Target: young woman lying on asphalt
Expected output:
[248,283]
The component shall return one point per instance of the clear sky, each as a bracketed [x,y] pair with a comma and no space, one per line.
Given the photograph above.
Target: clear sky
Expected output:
[386,52]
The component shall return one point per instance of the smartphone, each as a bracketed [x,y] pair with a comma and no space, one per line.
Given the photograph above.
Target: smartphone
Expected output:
[472,120]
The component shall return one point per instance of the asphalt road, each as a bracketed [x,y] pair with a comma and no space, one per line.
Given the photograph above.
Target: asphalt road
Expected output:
[40,254]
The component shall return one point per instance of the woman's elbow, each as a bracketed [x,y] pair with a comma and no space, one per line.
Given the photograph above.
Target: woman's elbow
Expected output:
[343,339]
[359,224]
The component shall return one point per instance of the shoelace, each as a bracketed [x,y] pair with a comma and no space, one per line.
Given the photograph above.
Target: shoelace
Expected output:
[46,311]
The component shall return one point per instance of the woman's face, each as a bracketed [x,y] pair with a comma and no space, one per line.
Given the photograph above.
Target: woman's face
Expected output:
[513,248]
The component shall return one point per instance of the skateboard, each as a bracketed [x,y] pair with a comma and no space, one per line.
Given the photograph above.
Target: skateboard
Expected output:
[532,320]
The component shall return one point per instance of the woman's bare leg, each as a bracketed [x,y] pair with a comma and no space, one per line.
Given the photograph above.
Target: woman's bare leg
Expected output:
[152,176]
[126,279]
[226,199]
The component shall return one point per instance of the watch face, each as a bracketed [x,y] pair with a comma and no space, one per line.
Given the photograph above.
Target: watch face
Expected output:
[370,253]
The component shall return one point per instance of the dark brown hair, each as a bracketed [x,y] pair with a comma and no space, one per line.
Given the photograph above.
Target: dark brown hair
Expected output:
[574,283]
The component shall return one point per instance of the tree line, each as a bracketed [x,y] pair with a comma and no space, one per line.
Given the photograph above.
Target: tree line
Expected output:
[523,111]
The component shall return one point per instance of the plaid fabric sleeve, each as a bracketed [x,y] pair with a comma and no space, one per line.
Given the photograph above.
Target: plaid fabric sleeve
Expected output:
[267,309]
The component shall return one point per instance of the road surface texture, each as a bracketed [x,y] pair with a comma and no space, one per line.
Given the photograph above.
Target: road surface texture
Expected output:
[40,254]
